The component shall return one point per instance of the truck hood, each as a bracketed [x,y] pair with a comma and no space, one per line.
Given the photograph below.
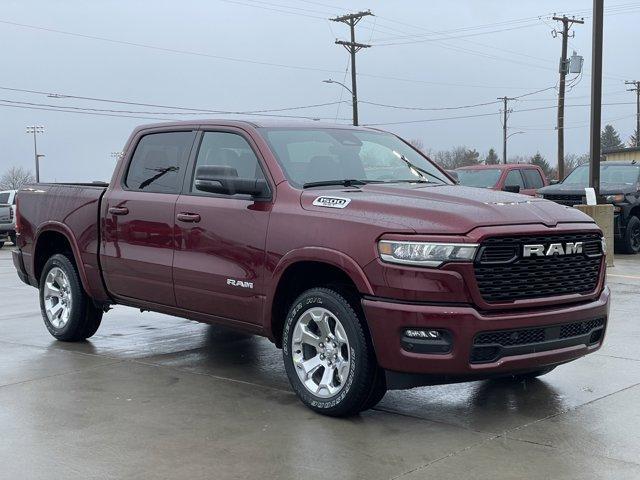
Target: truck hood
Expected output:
[605,189]
[447,209]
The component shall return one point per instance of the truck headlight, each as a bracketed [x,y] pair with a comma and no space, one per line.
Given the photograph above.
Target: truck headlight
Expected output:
[425,254]
[614,198]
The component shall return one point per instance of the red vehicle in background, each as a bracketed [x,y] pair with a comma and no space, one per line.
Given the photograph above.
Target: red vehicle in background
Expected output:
[512,177]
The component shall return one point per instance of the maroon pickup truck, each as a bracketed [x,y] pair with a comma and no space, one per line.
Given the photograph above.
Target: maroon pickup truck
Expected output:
[346,247]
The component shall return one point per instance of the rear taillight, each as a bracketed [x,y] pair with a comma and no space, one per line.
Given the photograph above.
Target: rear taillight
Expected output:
[18,219]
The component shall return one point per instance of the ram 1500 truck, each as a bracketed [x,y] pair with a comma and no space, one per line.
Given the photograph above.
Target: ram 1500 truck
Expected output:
[345,246]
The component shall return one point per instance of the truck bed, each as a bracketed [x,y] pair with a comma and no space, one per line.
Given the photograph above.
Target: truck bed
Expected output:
[71,208]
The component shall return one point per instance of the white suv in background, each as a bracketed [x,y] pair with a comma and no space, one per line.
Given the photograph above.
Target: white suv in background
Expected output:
[7,216]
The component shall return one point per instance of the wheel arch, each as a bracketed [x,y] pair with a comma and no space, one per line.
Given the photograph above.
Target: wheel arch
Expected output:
[307,268]
[53,238]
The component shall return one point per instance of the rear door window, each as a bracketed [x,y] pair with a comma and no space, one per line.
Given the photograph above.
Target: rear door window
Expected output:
[533,178]
[159,162]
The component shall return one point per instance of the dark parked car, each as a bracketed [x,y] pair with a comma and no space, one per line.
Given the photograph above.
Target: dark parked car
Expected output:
[367,277]
[512,177]
[620,185]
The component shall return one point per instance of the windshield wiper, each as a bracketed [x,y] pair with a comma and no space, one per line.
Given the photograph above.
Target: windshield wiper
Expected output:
[344,183]
[421,171]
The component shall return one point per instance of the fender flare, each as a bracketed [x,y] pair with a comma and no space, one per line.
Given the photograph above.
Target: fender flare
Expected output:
[64,230]
[313,254]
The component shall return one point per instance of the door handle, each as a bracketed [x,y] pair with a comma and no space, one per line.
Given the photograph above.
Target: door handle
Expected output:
[118,210]
[188,217]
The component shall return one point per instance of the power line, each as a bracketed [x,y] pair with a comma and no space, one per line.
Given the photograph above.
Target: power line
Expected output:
[167,49]
[489,114]
[172,107]
[249,61]
[424,109]
[89,109]
[201,111]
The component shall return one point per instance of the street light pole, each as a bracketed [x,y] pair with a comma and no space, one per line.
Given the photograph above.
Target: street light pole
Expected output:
[35,130]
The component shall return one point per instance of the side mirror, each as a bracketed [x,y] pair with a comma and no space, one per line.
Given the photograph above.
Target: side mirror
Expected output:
[512,188]
[224,180]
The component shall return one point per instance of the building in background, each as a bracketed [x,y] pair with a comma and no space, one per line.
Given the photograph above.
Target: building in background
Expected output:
[626,154]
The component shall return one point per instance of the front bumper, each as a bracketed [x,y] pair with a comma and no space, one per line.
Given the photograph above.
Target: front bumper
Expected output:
[388,320]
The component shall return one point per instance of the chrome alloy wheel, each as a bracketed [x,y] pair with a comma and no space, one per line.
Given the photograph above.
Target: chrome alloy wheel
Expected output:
[320,352]
[57,297]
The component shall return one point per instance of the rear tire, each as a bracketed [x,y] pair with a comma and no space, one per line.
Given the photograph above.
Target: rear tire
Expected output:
[631,241]
[328,355]
[68,312]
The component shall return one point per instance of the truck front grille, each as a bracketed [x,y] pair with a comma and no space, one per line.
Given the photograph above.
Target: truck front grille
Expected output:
[504,275]
[569,200]
[493,345]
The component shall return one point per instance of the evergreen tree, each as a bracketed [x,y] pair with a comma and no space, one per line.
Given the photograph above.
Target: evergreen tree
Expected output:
[541,162]
[471,157]
[491,158]
[633,140]
[610,139]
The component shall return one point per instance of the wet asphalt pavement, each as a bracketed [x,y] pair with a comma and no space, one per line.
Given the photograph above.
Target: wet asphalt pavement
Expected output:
[153,397]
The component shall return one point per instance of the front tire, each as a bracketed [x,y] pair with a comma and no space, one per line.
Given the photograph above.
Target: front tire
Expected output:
[68,312]
[631,241]
[328,355]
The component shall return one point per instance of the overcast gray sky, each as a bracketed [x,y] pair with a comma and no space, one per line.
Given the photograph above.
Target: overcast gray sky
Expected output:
[481,50]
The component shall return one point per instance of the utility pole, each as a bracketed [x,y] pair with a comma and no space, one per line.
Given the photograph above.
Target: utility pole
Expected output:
[36,129]
[353,47]
[505,117]
[567,23]
[595,146]
[636,88]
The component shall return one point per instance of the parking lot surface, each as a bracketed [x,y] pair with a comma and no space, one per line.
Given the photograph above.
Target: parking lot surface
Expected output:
[152,396]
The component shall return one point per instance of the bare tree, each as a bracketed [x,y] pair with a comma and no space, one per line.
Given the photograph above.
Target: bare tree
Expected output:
[15,178]
[571,161]
[417,143]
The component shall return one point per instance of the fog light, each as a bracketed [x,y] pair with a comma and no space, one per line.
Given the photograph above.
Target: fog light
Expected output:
[428,334]
[426,340]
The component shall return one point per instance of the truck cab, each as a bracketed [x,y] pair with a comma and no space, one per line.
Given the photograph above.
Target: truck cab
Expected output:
[511,177]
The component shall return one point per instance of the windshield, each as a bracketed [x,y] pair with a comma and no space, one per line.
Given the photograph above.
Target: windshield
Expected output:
[311,155]
[479,178]
[608,174]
